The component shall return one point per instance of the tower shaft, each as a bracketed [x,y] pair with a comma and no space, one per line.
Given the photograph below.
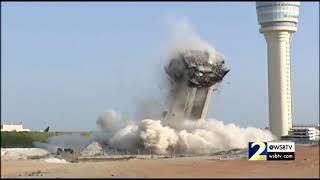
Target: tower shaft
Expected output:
[190,102]
[279,88]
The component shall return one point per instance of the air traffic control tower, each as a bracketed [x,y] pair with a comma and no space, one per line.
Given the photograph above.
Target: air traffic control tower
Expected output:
[278,22]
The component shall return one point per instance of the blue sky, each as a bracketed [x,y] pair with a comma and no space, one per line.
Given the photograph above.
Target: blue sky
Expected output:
[62,64]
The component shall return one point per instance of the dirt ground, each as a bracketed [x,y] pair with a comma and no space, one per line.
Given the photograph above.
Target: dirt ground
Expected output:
[306,164]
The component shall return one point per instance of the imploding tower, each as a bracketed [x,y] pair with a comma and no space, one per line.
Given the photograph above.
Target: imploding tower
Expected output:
[278,22]
[193,75]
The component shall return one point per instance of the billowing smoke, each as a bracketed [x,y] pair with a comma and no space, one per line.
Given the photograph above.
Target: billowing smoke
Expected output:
[111,121]
[202,136]
[192,137]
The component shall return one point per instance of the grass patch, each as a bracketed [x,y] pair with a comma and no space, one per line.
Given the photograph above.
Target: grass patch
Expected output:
[22,139]
[25,139]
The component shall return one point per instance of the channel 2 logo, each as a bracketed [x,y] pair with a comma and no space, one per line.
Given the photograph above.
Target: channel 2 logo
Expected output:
[271,151]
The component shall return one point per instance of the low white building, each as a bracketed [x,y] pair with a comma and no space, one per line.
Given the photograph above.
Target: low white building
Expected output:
[13,127]
[304,132]
[318,132]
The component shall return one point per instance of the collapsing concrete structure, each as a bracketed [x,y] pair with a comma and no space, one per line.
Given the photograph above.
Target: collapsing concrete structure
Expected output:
[193,74]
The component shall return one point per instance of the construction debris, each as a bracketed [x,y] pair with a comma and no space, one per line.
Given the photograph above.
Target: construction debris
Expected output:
[197,67]
[93,149]
[68,154]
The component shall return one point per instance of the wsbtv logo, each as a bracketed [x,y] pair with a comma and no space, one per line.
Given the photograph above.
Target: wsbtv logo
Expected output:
[257,151]
[271,151]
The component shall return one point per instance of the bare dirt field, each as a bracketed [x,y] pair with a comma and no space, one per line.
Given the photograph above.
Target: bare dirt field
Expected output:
[305,165]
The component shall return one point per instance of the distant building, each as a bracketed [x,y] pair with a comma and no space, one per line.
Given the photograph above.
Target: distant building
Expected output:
[304,133]
[13,127]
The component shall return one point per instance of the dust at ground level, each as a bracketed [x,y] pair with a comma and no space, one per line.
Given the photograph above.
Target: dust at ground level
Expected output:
[306,164]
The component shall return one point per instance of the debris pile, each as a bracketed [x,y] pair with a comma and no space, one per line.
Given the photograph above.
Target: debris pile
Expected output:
[92,149]
[197,67]
[22,153]
[67,154]
[12,155]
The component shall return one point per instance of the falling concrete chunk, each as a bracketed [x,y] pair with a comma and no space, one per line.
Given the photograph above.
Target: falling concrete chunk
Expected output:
[197,67]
